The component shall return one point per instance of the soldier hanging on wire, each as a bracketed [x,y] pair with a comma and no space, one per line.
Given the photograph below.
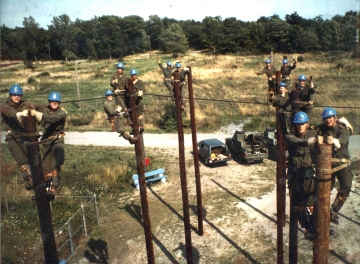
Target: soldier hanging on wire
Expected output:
[270,73]
[178,77]
[286,70]
[301,181]
[167,71]
[336,132]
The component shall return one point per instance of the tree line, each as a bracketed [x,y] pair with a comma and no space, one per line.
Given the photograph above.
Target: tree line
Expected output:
[115,37]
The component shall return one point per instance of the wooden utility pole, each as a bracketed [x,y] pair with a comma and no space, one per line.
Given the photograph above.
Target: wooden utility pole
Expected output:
[184,191]
[322,209]
[140,160]
[41,197]
[196,155]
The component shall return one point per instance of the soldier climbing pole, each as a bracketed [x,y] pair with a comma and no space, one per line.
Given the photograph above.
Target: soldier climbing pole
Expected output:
[140,160]
[195,155]
[41,197]
[184,191]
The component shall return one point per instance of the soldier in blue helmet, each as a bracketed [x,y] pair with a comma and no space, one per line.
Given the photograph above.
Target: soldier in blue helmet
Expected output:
[270,73]
[336,132]
[178,76]
[301,98]
[286,70]
[12,112]
[52,118]
[301,172]
[167,71]
[118,82]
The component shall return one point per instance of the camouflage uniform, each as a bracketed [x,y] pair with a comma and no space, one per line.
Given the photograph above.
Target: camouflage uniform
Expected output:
[283,103]
[300,177]
[345,175]
[299,99]
[167,77]
[17,136]
[118,83]
[113,116]
[270,74]
[52,149]
[178,76]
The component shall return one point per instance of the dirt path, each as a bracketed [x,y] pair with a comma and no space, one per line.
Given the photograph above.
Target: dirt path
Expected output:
[239,225]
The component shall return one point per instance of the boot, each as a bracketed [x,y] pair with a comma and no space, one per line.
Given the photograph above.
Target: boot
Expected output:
[26,173]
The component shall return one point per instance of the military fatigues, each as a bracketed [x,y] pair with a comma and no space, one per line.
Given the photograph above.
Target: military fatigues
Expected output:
[138,86]
[178,76]
[17,136]
[167,77]
[284,108]
[299,99]
[118,83]
[345,175]
[52,148]
[286,71]
[300,178]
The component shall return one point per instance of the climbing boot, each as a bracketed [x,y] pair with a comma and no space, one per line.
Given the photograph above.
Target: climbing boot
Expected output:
[310,235]
[130,138]
[334,217]
[26,173]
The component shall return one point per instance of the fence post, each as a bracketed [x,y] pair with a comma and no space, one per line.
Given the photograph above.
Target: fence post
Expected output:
[70,239]
[96,209]
[84,219]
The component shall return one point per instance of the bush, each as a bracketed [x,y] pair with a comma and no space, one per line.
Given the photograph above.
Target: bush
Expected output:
[300,59]
[31,80]
[81,118]
[168,119]
[43,74]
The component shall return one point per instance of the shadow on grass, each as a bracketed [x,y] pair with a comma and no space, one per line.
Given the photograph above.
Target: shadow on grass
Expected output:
[97,252]
[135,212]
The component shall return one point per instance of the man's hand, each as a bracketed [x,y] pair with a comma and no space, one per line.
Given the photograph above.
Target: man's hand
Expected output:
[311,140]
[117,91]
[330,140]
[336,143]
[115,81]
[186,69]
[118,109]
[320,139]
[140,93]
[21,114]
[38,115]
[310,102]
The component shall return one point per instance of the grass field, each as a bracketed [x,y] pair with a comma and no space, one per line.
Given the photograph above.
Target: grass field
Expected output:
[221,77]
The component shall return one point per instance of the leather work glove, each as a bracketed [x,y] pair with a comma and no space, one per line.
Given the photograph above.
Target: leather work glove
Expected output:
[38,115]
[186,69]
[336,143]
[320,139]
[330,140]
[115,81]
[311,140]
[21,114]
[140,93]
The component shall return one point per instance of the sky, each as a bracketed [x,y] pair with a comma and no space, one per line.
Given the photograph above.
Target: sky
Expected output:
[12,12]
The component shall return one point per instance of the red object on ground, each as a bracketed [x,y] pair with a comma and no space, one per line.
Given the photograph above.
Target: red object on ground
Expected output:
[147,161]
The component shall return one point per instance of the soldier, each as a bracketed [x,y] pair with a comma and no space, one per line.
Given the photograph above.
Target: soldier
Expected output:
[301,172]
[301,98]
[178,76]
[167,75]
[12,112]
[138,92]
[286,70]
[270,73]
[118,117]
[336,132]
[52,118]
[282,101]
[118,82]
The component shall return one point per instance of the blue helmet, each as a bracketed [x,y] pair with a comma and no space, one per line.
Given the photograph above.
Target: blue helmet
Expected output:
[54,97]
[108,93]
[133,72]
[328,112]
[120,65]
[169,63]
[285,61]
[302,78]
[16,90]
[282,84]
[300,118]
[267,61]
[178,64]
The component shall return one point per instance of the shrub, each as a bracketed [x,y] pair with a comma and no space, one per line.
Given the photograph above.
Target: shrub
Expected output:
[43,74]
[31,80]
